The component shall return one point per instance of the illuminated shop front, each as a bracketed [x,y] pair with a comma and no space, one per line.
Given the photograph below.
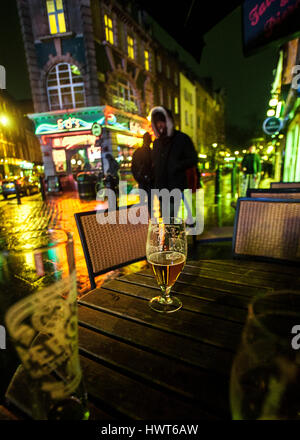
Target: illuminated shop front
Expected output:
[291,172]
[69,147]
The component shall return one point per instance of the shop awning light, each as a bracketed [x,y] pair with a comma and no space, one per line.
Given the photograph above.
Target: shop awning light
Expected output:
[273,102]
[271,112]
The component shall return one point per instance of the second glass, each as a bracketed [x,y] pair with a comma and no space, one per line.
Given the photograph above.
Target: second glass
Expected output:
[166,253]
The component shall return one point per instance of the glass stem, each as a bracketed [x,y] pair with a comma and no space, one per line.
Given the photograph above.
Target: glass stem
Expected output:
[166,294]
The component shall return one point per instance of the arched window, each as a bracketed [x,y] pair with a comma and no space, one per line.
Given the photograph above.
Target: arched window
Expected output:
[65,87]
[122,95]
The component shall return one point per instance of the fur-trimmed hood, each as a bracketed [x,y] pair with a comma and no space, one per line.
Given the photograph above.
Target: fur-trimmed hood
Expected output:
[169,121]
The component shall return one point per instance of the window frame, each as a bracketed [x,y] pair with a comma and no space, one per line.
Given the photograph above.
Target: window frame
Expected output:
[60,88]
[109,30]
[147,60]
[130,47]
[127,95]
[57,14]
[186,118]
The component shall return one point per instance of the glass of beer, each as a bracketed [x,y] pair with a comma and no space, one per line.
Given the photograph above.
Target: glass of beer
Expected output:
[166,253]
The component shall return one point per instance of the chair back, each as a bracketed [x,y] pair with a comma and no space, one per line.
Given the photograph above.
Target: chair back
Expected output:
[267,229]
[277,193]
[110,239]
[285,185]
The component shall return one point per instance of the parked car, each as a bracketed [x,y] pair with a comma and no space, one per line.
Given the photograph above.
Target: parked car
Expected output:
[27,186]
[33,184]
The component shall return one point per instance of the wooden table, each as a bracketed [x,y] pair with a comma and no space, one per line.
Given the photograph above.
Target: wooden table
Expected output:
[143,365]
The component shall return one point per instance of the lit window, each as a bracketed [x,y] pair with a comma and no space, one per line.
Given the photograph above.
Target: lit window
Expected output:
[147,62]
[109,33]
[122,95]
[56,16]
[130,45]
[176,107]
[65,87]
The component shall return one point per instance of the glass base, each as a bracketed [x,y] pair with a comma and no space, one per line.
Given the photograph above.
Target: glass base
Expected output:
[163,305]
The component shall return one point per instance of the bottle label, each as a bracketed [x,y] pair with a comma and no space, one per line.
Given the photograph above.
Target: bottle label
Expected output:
[45,332]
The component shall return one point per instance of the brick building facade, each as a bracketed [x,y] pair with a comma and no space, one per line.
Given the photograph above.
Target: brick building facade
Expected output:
[95,61]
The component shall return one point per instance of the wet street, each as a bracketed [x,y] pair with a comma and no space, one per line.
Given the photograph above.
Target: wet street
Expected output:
[58,212]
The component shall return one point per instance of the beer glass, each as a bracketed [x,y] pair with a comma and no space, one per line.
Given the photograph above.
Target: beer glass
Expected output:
[166,253]
[37,275]
[265,376]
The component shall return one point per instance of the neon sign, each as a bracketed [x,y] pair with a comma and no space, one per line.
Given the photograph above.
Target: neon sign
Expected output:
[268,21]
[65,125]
[68,123]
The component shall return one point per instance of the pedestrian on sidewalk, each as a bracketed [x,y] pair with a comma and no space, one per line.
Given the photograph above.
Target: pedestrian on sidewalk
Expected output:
[142,170]
[251,168]
[174,157]
[111,178]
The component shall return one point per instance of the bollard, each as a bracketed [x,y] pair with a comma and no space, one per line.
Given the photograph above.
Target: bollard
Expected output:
[42,184]
[18,194]
[233,179]
[218,184]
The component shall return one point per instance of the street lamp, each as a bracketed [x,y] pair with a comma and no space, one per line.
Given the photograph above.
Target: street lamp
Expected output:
[215,145]
[4,120]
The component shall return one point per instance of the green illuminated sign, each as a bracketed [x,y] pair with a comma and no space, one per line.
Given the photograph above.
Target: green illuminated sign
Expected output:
[96,129]
[66,125]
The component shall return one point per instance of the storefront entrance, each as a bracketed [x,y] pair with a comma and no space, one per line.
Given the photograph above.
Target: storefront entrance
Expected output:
[69,146]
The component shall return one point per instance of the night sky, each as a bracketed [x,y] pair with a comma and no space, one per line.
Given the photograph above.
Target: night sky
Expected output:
[12,54]
[247,81]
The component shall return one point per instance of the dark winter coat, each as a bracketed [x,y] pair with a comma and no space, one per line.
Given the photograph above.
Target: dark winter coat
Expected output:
[172,156]
[252,162]
[141,166]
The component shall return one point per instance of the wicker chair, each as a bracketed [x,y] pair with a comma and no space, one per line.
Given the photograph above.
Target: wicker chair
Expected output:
[285,185]
[277,193]
[114,243]
[268,229]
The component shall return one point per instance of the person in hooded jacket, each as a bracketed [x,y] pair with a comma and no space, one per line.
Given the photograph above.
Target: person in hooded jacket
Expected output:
[141,168]
[173,153]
